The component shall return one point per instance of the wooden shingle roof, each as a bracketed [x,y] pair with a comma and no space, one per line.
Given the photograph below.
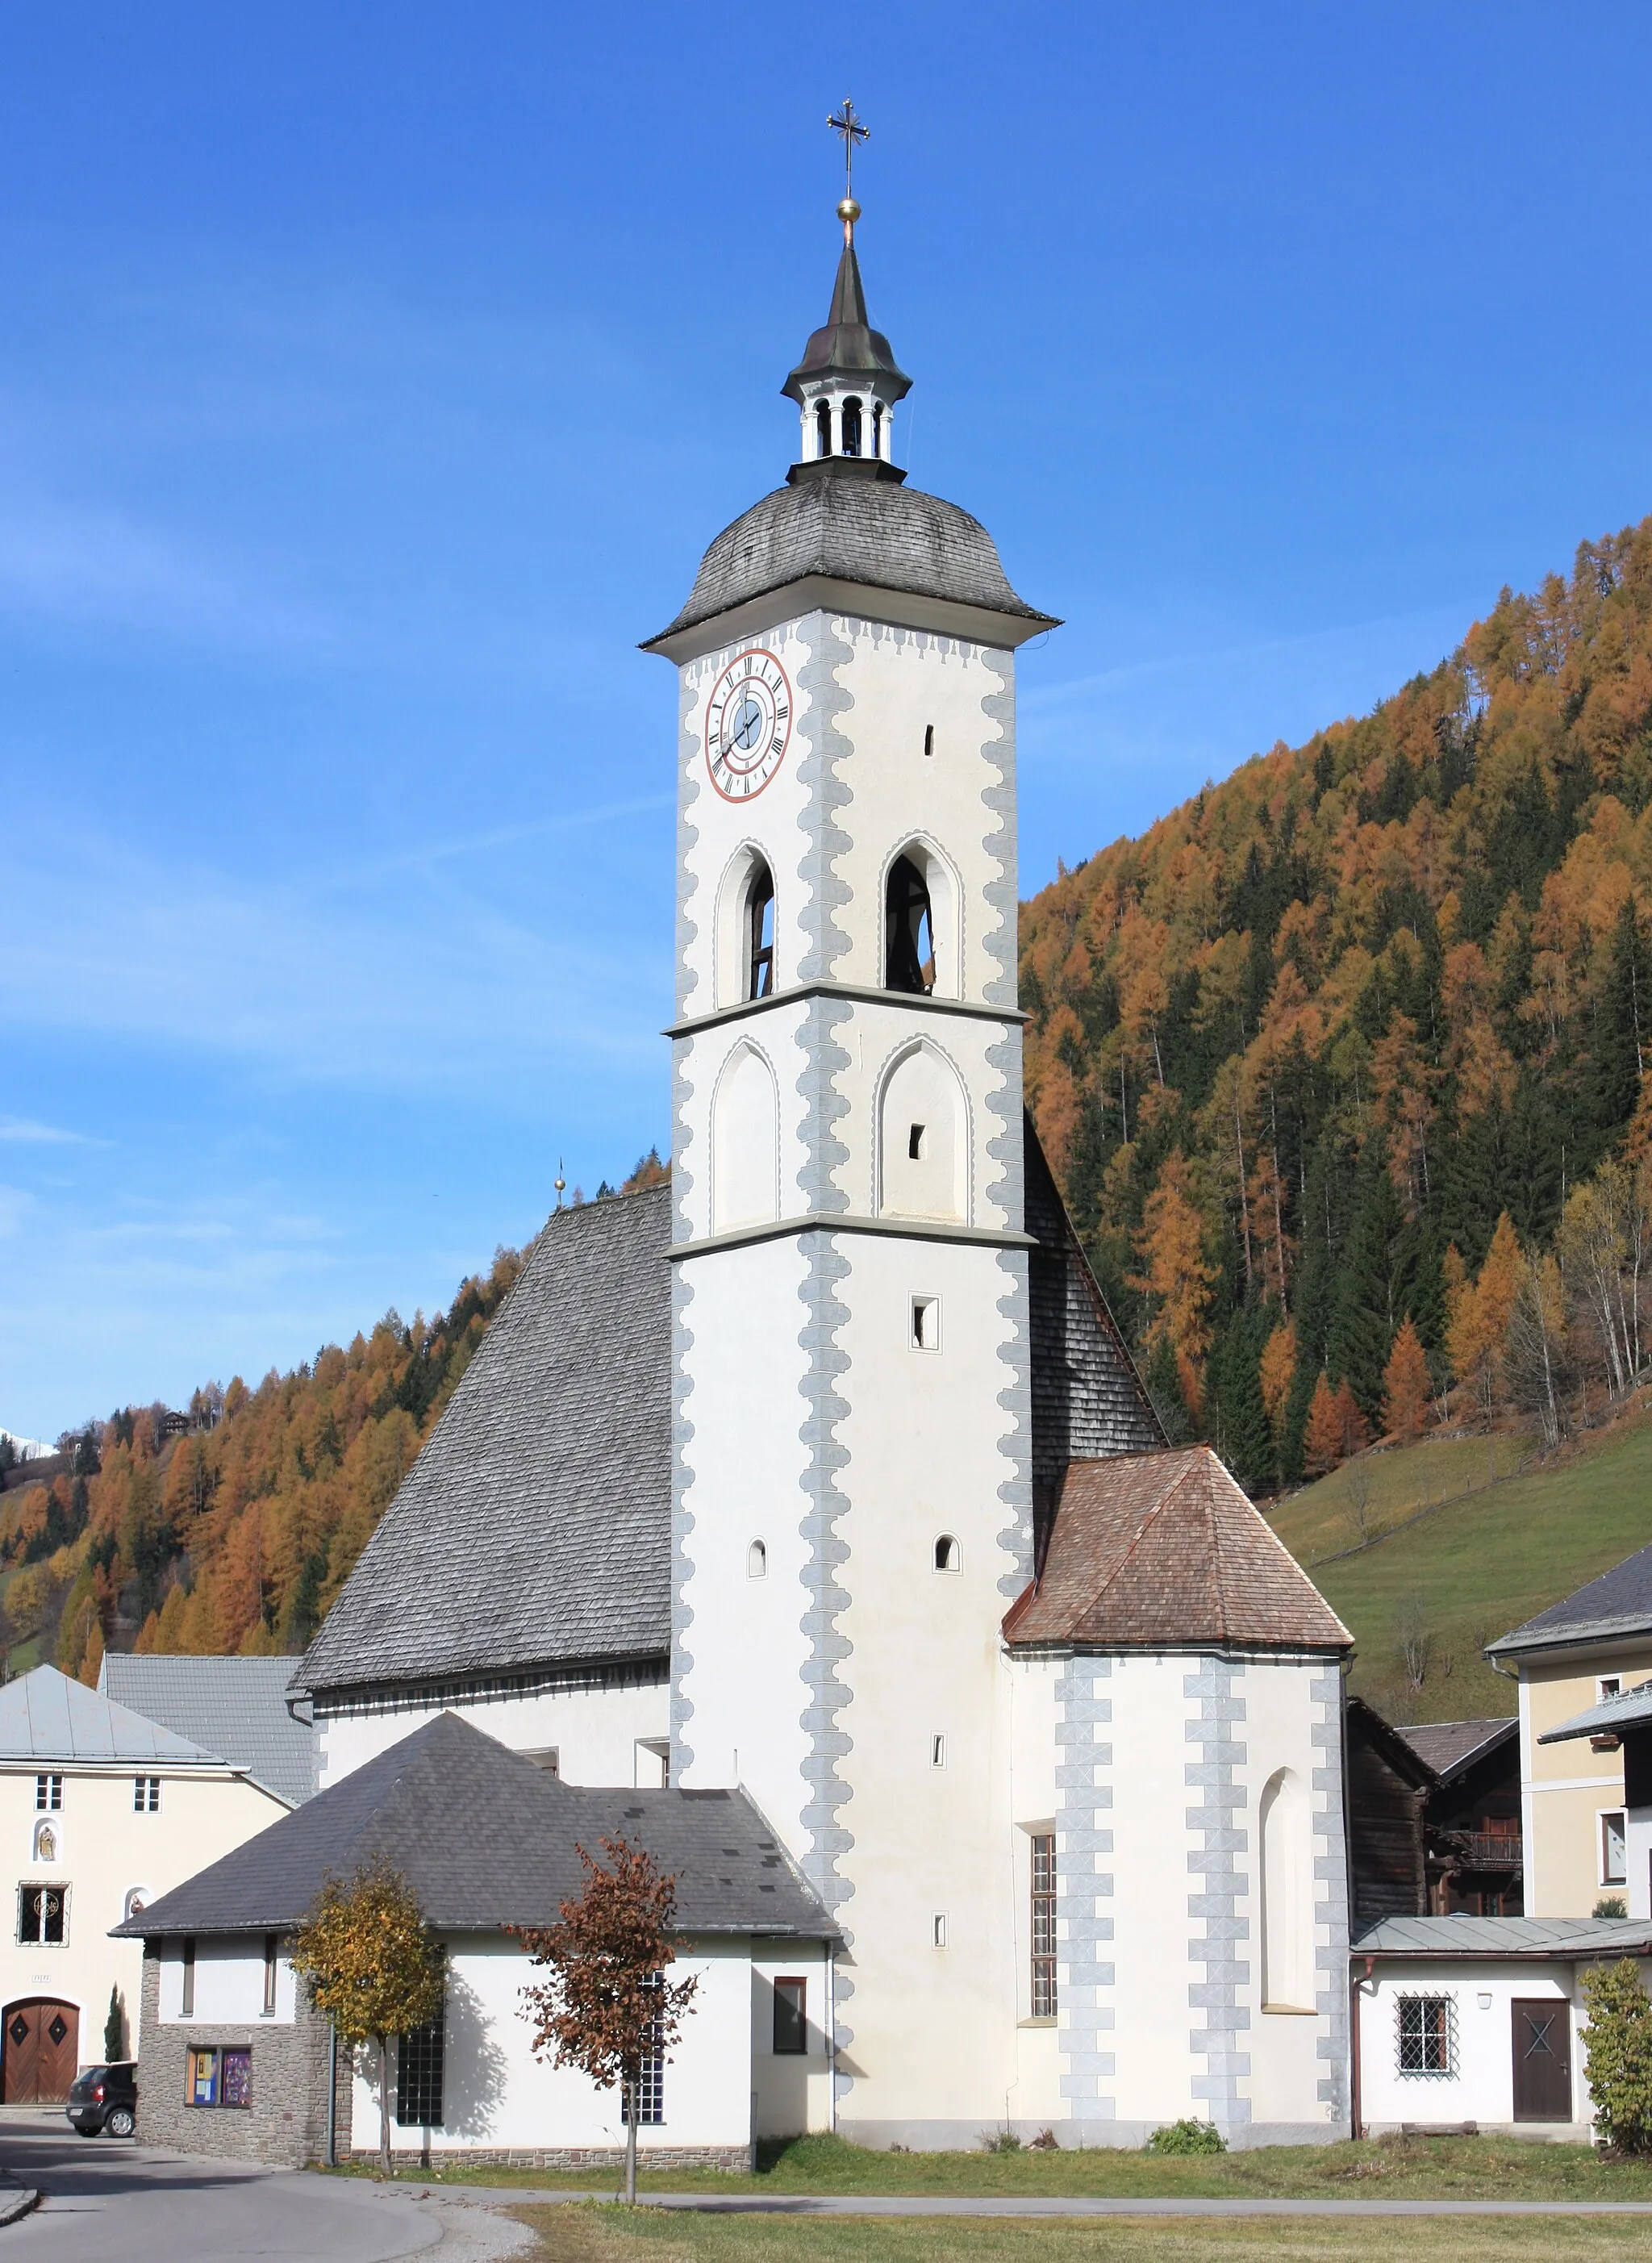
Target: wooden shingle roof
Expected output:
[1164,1550]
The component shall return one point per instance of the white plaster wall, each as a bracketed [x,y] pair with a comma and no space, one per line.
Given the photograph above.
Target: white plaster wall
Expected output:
[1036,2096]
[793,2091]
[103,1850]
[743,1375]
[228,1984]
[595,1731]
[1482,2089]
[495,2092]
[902,681]
[1638,1862]
[933,2029]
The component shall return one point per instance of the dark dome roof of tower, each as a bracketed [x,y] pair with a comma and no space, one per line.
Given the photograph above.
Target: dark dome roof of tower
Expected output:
[852,530]
[848,346]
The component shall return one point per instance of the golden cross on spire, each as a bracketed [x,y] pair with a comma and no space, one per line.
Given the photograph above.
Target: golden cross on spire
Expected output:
[844,122]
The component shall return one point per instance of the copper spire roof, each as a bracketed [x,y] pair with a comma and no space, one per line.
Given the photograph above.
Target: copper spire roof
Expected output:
[1164,1550]
[848,346]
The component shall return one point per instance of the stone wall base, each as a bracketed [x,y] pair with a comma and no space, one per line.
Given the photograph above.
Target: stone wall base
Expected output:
[737,2160]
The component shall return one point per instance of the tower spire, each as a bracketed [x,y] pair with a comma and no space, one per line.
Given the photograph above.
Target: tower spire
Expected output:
[847,383]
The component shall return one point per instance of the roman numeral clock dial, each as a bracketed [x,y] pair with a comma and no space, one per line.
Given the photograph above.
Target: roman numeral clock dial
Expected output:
[748,724]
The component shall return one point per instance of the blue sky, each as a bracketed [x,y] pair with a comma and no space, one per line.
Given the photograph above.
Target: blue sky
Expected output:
[371,378]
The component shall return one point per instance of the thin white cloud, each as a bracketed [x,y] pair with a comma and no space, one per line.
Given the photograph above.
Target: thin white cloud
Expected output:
[21,1131]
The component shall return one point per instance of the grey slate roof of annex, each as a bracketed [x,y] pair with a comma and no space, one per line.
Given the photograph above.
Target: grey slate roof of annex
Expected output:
[1617,1603]
[235,1707]
[1449,1747]
[1463,1934]
[535,1526]
[883,536]
[484,1839]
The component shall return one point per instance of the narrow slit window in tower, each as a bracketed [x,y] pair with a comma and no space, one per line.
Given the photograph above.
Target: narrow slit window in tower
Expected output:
[757,1561]
[929,737]
[909,942]
[760,934]
[949,1555]
[926,1323]
[851,427]
[915,1144]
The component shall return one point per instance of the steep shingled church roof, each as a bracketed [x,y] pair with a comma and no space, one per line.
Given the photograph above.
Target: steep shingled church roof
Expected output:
[1155,1549]
[534,1531]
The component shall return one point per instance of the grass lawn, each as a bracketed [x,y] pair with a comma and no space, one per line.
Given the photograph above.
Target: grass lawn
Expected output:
[1401,2168]
[581,2234]
[1479,1564]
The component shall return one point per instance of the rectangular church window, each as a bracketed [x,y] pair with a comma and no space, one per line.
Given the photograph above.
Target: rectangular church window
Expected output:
[419,2056]
[1043,1926]
[792,2024]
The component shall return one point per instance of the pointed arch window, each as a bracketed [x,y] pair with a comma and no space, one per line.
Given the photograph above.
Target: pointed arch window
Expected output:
[851,427]
[760,933]
[909,940]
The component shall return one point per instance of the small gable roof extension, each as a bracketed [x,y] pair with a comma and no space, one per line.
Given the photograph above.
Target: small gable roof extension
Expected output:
[236,1707]
[1451,1747]
[1164,1550]
[1617,1604]
[536,1524]
[44,1715]
[483,1839]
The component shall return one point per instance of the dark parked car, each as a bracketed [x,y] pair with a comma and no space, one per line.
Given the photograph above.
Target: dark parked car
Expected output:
[105,2098]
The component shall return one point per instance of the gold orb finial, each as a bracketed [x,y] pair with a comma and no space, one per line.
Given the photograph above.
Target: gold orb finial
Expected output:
[848,211]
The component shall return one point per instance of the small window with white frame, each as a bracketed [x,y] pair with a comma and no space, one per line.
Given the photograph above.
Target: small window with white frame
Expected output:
[1614,1848]
[1607,1685]
[48,1794]
[1426,2033]
[146,1795]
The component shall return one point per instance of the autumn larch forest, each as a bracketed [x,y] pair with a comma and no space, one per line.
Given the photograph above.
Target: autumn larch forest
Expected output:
[1342,1067]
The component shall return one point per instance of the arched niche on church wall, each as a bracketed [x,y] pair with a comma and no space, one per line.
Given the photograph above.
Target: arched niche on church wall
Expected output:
[745,1143]
[747,882]
[940,886]
[1286,1865]
[923,1137]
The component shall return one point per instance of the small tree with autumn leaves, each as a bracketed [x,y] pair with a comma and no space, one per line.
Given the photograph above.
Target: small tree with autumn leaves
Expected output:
[369,1965]
[1406,1388]
[607,2007]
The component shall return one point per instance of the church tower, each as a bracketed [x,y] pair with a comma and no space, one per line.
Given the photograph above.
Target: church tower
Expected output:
[852,1505]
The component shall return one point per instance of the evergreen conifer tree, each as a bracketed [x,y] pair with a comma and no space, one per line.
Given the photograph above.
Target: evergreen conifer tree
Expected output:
[1247,1440]
[1623,1026]
[1363,1316]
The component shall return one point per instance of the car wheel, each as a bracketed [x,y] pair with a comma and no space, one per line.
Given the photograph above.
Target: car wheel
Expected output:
[120,2123]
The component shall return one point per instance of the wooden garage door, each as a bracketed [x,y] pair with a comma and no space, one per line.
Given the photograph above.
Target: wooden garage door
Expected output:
[41,2051]
[1542,2059]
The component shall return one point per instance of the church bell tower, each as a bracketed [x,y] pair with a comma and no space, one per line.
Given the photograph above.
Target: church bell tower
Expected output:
[852,1360]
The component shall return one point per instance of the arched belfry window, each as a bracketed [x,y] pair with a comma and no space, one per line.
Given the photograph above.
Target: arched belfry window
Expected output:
[909,938]
[877,428]
[851,427]
[822,428]
[760,933]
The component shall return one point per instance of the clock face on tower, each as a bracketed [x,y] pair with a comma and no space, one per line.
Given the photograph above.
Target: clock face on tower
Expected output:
[748,724]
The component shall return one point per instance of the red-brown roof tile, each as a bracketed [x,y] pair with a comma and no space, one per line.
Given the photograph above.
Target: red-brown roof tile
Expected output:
[1149,1551]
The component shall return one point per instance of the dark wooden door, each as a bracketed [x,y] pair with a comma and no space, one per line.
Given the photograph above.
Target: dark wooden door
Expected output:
[1542,2059]
[41,2051]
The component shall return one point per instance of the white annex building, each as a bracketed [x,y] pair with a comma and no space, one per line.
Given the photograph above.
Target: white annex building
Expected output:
[824,1476]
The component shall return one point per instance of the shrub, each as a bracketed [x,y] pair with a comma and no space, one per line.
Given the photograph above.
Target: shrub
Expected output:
[1187,2136]
[999,2141]
[1611,1906]
[1618,2043]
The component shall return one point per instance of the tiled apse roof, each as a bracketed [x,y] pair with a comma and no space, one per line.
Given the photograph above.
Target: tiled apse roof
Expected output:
[235,1707]
[484,1839]
[1619,1603]
[1165,1549]
[867,531]
[44,1715]
[535,1526]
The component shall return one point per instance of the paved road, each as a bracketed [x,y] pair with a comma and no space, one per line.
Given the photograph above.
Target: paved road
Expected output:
[108,2201]
[949,2204]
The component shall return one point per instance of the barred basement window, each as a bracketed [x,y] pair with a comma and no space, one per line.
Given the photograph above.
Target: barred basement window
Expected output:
[1428,2035]
[419,2077]
[1044,1924]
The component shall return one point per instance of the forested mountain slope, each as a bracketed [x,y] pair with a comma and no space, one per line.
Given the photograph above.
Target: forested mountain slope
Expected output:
[1297,1051]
